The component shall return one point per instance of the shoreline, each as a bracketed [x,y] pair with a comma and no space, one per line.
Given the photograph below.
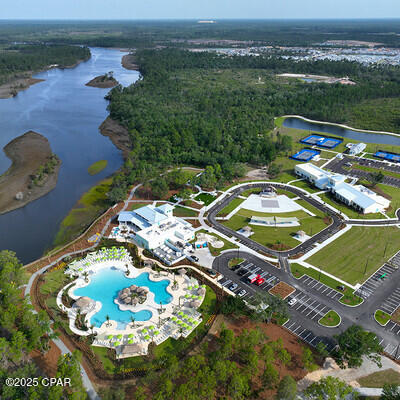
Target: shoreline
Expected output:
[128,62]
[98,82]
[28,153]
[118,135]
[25,80]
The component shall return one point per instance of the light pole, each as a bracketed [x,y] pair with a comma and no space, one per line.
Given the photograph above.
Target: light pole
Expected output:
[366,265]
[319,276]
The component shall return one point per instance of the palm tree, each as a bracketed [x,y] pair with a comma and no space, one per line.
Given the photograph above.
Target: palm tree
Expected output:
[86,275]
[108,320]
[133,321]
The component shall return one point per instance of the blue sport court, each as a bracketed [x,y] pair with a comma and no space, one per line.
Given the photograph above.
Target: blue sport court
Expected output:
[387,156]
[321,141]
[305,155]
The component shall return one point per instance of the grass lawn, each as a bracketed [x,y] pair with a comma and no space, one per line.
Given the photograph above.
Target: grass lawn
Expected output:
[382,317]
[180,211]
[230,207]
[248,192]
[92,204]
[54,281]
[378,379]
[205,198]
[303,184]
[97,167]
[269,235]
[350,212]
[394,196]
[216,252]
[134,206]
[331,318]
[359,249]
[348,298]
[169,347]
[235,261]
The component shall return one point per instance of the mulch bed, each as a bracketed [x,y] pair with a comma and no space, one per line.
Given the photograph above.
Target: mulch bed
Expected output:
[282,290]
[47,362]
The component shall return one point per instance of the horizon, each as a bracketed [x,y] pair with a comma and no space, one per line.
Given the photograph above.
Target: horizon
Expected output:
[208,9]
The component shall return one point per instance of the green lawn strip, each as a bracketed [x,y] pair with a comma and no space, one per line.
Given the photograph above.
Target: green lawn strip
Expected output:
[97,167]
[227,244]
[358,253]
[379,378]
[382,317]
[230,207]
[134,206]
[394,196]
[248,192]
[205,198]
[330,319]
[286,193]
[303,184]
[92,204]
[167,348]
[180,211]
[278,121]
[349,298]
[350,212]
[235,261]
[375,170]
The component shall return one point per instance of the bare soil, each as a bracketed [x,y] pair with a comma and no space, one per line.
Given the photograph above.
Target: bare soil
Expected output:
[12,88]
[128,62]
[102,82]
[47,362]
[118,134]
[27,152]
[282,290]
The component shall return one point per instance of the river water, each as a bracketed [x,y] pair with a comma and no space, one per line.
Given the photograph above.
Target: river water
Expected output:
[68,113]
[298,123]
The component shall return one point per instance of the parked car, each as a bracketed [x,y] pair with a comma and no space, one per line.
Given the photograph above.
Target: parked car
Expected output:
[292,302]
[242,293]
[242,271]
[233,286]
[196,259]
[235,267]
[340,287]
[212,273]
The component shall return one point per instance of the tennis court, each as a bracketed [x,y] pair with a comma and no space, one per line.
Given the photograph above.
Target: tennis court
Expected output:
[305,155]
[387,156]
[321,141]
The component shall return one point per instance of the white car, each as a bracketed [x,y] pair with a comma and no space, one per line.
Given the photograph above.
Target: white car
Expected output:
[233,286]
[242,293]
[292,302]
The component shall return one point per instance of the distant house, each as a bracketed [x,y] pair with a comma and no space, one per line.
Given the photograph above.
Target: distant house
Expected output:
[356,148]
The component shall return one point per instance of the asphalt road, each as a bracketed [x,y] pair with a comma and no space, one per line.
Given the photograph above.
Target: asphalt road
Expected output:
[311,300]
[301,248]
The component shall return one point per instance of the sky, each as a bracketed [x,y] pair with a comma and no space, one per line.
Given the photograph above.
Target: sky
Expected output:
[197,9]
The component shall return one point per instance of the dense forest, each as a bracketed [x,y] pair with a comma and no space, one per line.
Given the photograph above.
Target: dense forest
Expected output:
[141,34]
[17,59]
[204,109]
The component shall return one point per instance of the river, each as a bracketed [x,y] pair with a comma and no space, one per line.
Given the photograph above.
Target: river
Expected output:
[68,113]
[366,137]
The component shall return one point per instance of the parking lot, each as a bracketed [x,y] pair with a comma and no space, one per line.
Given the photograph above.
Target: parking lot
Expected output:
[307,335]
[310,308]
[320,287]
[391,348]
[377,279]
[243,271]
[392,303]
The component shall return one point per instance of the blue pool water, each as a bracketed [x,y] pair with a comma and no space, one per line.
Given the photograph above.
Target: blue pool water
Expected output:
[104,287]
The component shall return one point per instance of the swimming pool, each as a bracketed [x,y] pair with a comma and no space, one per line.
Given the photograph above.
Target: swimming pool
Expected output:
[104,287]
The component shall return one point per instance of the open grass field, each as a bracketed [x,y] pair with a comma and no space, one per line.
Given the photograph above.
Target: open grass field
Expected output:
[394,195]
[89,207]
[205,198]
[348,298]
[183,212]
[270,236]
[358,253]
[230,207]
[303,184]
[300,214]
[136,205]
[97,167]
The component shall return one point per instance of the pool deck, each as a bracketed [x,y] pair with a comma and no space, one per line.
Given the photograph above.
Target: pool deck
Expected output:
[160,321]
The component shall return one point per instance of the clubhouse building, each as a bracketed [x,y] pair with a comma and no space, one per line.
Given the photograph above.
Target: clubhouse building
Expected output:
[156,229]
[359,197]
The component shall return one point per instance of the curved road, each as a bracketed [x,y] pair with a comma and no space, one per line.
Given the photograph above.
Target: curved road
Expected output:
[337,221]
